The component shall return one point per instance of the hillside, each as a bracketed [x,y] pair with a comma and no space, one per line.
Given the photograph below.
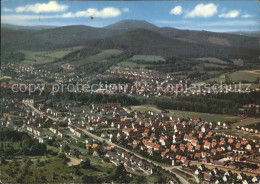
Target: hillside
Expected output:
[143,41]
[136,36]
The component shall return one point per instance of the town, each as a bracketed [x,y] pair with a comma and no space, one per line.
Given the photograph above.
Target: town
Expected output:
[146,142]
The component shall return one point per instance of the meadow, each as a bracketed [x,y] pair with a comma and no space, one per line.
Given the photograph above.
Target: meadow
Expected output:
[44,57]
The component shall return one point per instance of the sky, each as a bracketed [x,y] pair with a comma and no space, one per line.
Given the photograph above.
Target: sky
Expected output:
[219,16]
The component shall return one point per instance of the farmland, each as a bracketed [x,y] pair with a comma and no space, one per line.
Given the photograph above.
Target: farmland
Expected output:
[213,60]
[147,58]
[44,57]
[102,56]
[238,76]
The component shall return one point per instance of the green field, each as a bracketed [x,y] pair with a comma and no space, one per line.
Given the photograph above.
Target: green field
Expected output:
[145,108]
[130,64]
[44,57]
[245,75]
[207,65]
[212,60]
[178,113]
[238,76]
[247,121]
[147,58]
[102,56]
[205,116]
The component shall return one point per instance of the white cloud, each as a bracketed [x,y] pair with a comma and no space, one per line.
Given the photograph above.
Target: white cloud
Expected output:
[51,6]
[126,9]
[246,15]
[203,10]
[230,14]
[107,12]
[177,10]
[7,9]
[104,13]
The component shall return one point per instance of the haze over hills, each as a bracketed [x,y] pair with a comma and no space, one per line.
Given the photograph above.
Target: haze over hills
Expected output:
[16,27]
[135,36]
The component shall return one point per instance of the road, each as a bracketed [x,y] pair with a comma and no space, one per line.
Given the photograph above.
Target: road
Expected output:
[182,180]
[39,112]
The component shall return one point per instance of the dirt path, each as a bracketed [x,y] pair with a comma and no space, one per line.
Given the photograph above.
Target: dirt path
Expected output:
[73,161]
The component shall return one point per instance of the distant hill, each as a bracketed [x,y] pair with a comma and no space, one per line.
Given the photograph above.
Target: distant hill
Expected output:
[16,27]
[129,25]
[247,33]
[142,41]
[136,36]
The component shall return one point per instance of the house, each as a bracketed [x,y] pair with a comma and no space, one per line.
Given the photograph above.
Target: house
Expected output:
[95,154]
[207,176]
[54,129]
[79,133]
[207,145]
[226,178]
[61,133]
[72,128]
[39,132]
[42,139]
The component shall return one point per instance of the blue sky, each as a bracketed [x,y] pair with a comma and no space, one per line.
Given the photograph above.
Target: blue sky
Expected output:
[196,15]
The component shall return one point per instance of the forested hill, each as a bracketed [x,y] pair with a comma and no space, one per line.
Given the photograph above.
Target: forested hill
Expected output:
[139,37]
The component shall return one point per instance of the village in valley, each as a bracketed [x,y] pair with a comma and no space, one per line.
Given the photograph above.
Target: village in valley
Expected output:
[130,92]
[149,141]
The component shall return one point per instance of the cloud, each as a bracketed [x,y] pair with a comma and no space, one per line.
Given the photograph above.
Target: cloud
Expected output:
[230,14]
[246,15]
[7,10]
[177,10]
[51,6]
[203,10]
[107,12]
[126,10]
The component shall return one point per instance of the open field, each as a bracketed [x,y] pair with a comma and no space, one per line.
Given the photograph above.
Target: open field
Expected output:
[44,57]
[130,64]
[102,56]
[238,76]
[147,58]
[214,65]
[247,121]
[146,108]
[212,60]
[247,75]
[203,116]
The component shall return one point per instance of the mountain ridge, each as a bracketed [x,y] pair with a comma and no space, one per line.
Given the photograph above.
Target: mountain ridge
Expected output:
[127,33]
